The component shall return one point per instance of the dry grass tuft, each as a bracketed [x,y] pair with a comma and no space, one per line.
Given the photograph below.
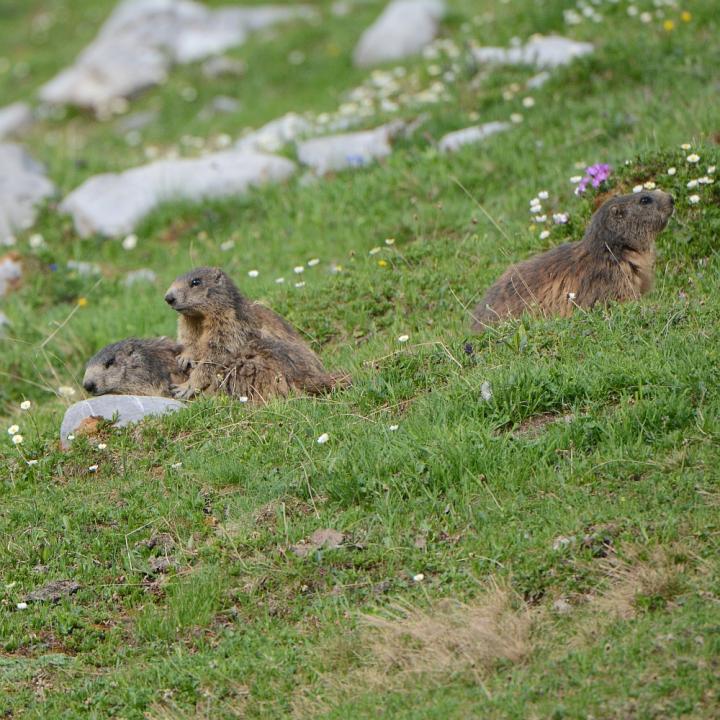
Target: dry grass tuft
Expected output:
[638,583]
[449,636]
[407,643]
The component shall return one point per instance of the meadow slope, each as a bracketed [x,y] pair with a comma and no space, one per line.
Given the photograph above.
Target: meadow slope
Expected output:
[529,519]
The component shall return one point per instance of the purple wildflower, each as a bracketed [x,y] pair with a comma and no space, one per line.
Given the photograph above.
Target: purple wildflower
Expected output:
[594,175]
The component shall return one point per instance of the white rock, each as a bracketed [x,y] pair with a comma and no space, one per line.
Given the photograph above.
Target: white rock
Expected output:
[455,140]
[216,67]
[23,185]
[537,81]
[128,408]
[10,272]
[15,118]
[547,52]
[337,152]
[404,28]
[276,134]
[143,275]
[112,204]
[82,267]
[141,40]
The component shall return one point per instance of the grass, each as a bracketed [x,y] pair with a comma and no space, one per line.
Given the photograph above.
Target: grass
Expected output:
[611,509]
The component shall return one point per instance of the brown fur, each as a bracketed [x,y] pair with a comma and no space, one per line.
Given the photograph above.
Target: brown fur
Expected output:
[135,366]
[613,261]
[236,346]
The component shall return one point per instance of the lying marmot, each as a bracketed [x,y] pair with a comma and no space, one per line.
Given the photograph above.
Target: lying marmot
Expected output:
[135,367]
[150,367]
[613,261]
[238,346]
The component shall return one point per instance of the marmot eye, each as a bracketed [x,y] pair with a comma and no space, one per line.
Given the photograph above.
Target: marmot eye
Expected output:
[109,362]
[645,200]
[195,282]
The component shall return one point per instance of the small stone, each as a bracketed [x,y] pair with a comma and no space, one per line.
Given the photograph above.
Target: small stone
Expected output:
[53,592]
[143,276]
[459,138]
[404,28]
[14,119]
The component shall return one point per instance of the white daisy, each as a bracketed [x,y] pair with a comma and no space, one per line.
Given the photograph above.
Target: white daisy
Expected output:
[693,158]
[403,338]
[694,199]
[25,405]
[253,273]
[13,430]
[323,439]
[130,242]
[17,439]
[299,269]
[545,234]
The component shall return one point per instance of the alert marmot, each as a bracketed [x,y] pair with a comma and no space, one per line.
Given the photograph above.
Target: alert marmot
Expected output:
[613,261]
[234,345]
[135,366]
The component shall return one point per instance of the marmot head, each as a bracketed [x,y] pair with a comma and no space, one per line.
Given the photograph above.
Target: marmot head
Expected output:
[132,367]
[630,221]
[201,292]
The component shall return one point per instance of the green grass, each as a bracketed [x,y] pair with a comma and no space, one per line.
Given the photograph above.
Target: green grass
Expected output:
[462,491]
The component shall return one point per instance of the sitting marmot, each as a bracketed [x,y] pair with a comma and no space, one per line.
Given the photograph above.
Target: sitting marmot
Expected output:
[135,367]
[613,261]
[238,346]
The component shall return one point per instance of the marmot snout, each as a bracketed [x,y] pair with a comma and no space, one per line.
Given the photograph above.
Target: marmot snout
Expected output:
[613,261]
[134,367]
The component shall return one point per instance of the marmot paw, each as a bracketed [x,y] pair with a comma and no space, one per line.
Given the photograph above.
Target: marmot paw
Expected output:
[185,362]
[183,392]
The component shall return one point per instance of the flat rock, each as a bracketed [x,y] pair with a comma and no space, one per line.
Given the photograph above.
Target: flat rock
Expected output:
[356,149]
[222,65]
[327,539]
[455,140]
[112,204]
[137,121]
[143,276]
[14,119]
[127,408]
[142,39]
[274,135]
[404,28]
[10,272]
[543,52]
[53,592]
[23,184]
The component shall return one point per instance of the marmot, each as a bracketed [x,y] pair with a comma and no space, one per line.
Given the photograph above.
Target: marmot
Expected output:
[234,345]
[151,367]
[135,367]
[613,261]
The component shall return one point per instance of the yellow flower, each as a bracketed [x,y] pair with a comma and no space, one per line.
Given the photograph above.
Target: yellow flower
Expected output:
[82,302]
[382,263]
[669,25]
[685,16]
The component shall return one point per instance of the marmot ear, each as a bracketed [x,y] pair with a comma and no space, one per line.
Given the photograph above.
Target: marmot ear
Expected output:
[218,274]
[617,211]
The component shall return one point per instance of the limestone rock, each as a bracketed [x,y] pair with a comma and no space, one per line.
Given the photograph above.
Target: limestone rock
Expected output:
[274,135]
[142,39]
[14,119]
[338,152]
[127,408]
[10,272]
[23,184]
[455,140]
[404,28]
[112,204]
[543,52]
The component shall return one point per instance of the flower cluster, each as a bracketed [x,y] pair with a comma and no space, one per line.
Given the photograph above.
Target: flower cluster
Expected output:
[646,11]
[689,172]
[595,175]
[541,216]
